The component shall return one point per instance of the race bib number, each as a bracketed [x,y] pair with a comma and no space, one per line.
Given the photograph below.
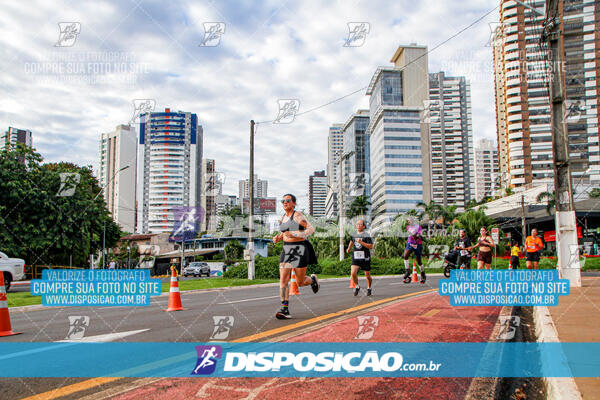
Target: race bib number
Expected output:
[359,255]
[464,252]
[414,246]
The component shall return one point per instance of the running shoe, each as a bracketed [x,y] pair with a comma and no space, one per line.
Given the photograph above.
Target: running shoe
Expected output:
[315,286]
[423,277]
[406,278]
[284,313]
[356,290]
[369,292]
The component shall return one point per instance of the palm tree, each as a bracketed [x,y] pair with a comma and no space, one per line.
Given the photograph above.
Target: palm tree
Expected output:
[431,209]
[550,200]
[448,214]
[359,206]
[471,203]
[472,221]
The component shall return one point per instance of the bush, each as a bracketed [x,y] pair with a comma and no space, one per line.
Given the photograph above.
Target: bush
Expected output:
[265,268]
[233,250]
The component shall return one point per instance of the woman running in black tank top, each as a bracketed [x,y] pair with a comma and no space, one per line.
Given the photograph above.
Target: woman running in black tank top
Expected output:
[297,253]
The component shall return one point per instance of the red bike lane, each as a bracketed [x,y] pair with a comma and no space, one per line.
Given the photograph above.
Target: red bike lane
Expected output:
[427,318]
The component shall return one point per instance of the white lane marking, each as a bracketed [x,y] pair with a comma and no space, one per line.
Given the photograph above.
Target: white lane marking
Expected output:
[252,299]
[108,337]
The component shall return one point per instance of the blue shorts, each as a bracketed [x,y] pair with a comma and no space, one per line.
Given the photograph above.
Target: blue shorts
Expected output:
[418,251]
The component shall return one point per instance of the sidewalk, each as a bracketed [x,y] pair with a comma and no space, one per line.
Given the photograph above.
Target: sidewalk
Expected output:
[577,319]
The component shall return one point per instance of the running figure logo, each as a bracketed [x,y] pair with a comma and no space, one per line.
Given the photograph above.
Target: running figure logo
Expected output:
[207,359]
[77,326]
[223,325]
[357,34]
[574,110]
[186,223]
[288,108]
[141,106]
[366,326]
[68,184]
[508,326]
[68,34]
[212,34]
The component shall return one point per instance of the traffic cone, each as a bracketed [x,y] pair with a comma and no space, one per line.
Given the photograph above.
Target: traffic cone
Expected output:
[462,266]
[352,285]
[415,277]
[294,285]
[174,296]
[5,329]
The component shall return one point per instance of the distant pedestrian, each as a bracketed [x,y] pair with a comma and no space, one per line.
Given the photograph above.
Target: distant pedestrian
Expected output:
[515,252]
[533,246]
[485,244]
[297,253]
[360,245]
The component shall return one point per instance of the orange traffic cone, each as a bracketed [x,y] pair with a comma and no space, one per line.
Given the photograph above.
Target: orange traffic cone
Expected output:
[352,285]
[462,266]
[415,277]
[174,296]
[5,329]
[294,285]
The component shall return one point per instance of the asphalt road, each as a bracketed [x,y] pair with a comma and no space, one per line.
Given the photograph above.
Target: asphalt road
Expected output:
[252,309]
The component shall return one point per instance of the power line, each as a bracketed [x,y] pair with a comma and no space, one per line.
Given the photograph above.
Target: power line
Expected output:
[400,69]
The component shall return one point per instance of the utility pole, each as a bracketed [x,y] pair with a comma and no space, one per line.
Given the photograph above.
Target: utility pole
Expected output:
[341,202]
[523,223]
[340,208]
[104,246]
[251,202]
[566,227]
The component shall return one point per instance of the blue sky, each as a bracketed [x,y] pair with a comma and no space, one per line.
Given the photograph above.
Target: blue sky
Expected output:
[270,50]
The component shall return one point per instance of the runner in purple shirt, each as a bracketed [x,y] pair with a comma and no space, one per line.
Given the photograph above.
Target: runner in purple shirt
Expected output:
[414,244]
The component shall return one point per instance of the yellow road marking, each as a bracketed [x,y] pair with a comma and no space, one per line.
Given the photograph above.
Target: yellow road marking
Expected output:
[91,383]
[286,328]
[70,389]
[431,312]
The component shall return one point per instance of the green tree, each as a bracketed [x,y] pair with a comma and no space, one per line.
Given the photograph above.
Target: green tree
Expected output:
[448,214]
[595,193]
[46,218]
[550,200]
[431,210]
[234,250]
[472,221]
[359,206]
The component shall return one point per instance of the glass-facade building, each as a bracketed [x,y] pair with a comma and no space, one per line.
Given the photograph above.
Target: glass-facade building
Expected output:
[357,164]
[396,165]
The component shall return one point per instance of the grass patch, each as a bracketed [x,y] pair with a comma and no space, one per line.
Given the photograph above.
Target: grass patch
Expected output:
[214,283]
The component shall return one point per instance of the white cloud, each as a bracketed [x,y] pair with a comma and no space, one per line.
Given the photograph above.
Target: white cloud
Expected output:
[275,50]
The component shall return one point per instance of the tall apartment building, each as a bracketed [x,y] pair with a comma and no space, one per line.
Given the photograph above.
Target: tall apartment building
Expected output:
[486,169]
[522,102]
[117,174]
[169,168]
[12,136]
[210,188]
[260,190]
[335,147]
[452,159]
[399,137]
[357,165]
[222,201]
[317,193]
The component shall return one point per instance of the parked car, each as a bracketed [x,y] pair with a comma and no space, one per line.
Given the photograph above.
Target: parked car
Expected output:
[196,269]
[13,269]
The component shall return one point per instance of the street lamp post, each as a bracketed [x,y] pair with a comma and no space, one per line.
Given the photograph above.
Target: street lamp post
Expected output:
[341,202]
[128,256]
[104,230]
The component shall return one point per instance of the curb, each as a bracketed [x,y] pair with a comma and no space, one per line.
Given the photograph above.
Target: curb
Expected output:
[545,331]
[487,388]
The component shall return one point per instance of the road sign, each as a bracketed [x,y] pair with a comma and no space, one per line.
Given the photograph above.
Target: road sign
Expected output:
[495,235]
